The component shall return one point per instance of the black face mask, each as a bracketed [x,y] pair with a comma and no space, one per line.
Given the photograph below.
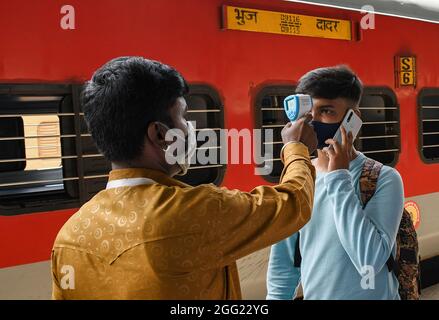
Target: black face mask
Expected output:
[324,132]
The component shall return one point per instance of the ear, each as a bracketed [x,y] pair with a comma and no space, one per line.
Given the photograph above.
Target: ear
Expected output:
[156,134]
[357,111]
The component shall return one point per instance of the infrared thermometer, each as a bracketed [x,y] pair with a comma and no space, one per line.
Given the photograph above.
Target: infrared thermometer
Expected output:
[297,105]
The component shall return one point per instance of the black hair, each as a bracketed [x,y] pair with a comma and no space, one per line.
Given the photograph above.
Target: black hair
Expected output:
[123,97]
[331,83]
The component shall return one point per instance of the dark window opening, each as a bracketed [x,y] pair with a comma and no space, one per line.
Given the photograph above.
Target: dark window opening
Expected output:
[429,125]
[379,137]
[32,165]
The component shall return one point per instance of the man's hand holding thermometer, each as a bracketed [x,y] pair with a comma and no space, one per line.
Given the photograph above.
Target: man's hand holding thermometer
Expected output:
[299,129]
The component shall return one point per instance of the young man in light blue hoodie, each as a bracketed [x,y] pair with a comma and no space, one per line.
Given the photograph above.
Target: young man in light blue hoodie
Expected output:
[345,247]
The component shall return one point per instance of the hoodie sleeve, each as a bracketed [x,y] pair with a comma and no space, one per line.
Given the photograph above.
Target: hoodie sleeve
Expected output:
[282,277]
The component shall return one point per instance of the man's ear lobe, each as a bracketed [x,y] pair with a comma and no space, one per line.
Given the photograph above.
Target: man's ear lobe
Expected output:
[156,134]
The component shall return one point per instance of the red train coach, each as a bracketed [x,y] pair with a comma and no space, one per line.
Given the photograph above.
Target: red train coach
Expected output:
[239,72]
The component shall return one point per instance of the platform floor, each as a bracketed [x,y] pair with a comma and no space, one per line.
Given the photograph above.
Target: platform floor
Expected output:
[431,293]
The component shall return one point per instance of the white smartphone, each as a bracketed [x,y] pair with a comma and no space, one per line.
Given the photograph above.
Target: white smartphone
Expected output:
[351,123]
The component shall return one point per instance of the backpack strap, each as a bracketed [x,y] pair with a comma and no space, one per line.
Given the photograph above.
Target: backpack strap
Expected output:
[369,179]
[368,183]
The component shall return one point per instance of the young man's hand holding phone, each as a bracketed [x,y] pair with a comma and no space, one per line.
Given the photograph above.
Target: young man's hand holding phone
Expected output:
[340,149]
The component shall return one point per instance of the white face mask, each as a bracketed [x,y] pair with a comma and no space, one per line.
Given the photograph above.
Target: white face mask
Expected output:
[183,156]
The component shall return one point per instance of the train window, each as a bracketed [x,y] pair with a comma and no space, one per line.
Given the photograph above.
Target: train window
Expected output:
[40,135]
[48,159]
[270,115]
[28,164]
[206,110]
[429,125]
[378,139]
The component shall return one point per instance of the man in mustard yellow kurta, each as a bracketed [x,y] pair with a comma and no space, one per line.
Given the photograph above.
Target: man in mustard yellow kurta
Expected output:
[149,236]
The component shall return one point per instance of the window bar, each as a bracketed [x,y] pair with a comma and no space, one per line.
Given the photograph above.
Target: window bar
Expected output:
[378,137]
[98,155]
[380,122]
[273,125]
[380,151]
[378,108]
[78,144]
[24,183]
[203,110]
[61,114]
[44,136]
